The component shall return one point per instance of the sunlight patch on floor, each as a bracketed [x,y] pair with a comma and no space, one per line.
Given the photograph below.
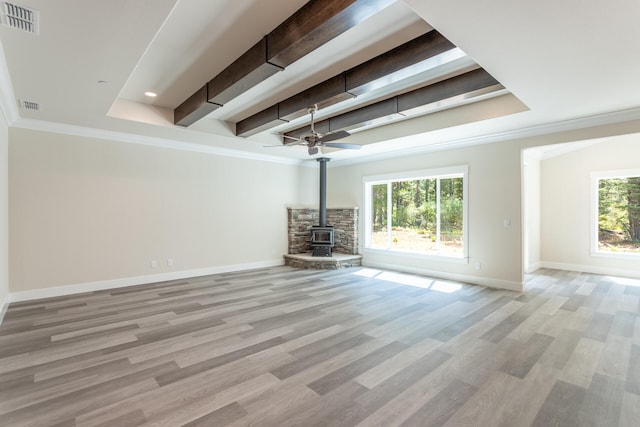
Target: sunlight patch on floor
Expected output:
[447,287]
[627,281]
[410,280]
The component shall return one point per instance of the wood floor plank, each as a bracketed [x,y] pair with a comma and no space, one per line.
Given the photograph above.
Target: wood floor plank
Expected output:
[523,360]
[522,403]
[562,405]
[338,377]
[281,346]
[615,357]
[633,371]
[220,417]
[438,410]
[385,391]
[583,363]
[481,408]
[630,410]
[392,366]
[602,403]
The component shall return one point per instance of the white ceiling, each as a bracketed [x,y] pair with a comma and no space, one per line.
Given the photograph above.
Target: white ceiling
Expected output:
[563,62]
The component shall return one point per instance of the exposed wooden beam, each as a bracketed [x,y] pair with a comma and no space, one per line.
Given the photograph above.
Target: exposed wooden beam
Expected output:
[366,116]
[467,84]
[316,23]
[403,62]
[415,102]
[406,60]
[323,94]
[310,27]
[262,121]
[194,108]
[243,74]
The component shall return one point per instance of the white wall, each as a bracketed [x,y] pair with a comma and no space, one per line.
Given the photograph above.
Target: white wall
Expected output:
[87,210]
[4,215]
[494,195]
[90,211]
[531,211]
[566,205]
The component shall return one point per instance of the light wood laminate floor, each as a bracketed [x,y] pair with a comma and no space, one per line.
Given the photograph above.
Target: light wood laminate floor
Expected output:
[288,347]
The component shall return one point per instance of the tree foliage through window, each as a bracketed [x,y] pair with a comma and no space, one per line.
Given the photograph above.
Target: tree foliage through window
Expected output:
[426,215]
[619,214]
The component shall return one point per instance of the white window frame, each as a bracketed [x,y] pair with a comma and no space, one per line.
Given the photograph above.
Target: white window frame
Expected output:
[595,178]
[446,172]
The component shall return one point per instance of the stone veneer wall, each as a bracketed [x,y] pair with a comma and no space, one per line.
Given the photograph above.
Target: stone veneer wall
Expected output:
[343,220]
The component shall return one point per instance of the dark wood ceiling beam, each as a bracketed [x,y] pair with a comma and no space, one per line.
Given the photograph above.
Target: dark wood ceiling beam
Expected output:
[467,84]
[317,22]
[265,119]
[324,94]
[411,103]
[408,59]
[366,116]
[244,73]
[194,108]
[402,62]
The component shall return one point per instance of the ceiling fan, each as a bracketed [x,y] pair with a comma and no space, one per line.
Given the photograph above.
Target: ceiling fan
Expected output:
[315,139]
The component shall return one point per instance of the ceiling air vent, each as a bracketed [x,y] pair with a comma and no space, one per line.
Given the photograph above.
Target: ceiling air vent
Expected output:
[20,17]
[30,106]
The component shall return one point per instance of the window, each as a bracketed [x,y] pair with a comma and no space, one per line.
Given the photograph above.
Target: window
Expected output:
[421,212]
[616,213]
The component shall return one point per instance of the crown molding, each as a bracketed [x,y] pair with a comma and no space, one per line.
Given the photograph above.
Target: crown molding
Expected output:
[586,122]
[67,129]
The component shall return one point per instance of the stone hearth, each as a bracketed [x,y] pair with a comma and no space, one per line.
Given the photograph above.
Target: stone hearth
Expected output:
[334,262]
[345,250]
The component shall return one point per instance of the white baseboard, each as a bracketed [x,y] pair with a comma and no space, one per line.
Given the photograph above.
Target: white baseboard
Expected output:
[591,269]
[137,280]
[4,304]
[475,280]
[533,267]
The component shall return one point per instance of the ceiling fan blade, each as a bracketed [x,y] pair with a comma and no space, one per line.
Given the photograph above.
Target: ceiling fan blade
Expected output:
[341,145]
[296,141]
[334,136]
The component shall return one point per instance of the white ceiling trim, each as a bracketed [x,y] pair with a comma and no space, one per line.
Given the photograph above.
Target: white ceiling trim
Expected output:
[545,129]
[66,129]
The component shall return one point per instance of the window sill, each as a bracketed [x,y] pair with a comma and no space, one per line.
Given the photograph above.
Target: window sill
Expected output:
[616,255]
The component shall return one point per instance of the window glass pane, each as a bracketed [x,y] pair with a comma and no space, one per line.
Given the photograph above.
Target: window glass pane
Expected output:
[414,215]
[619,215]
[422,215]
[451,214]
[379,231]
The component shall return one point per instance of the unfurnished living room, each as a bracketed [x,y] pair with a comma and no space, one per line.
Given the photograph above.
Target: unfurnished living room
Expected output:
[319,213]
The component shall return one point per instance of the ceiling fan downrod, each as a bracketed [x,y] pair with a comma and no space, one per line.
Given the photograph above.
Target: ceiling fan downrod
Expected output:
[312,110]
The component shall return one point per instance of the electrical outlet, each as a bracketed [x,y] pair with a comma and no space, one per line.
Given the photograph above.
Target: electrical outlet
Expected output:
[478,266]
[154,263]
[170,262]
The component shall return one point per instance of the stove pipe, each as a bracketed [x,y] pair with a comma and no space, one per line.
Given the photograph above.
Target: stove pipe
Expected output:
[323,191]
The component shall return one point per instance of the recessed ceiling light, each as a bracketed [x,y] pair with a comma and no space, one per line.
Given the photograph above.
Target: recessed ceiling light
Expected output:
[151,94]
